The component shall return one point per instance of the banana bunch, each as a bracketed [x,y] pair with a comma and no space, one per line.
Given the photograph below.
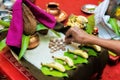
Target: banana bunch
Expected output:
[79,52]
[79,21]
[67,60]
[54,65]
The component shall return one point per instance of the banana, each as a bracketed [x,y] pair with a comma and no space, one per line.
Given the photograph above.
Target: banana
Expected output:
[79,21]
[68,60]
[54,65]
[74,44]
[96,47]
[80,53]
[82,19]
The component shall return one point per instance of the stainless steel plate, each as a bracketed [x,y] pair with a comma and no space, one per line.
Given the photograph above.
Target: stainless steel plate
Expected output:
[89,8]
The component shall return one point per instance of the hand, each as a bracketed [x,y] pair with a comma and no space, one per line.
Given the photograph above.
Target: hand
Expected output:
[77,35]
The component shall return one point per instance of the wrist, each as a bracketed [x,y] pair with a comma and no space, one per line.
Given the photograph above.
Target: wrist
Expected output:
[91,39]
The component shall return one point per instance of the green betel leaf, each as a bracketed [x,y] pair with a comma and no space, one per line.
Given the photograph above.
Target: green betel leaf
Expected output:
[24,45]
[90,51]
[90,24]
[4,23]
[2,44]
[41,27]
[78,60]
[54,73]
[89,29]
[67,67]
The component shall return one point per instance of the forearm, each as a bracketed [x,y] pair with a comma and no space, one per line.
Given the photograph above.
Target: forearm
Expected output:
[113,45]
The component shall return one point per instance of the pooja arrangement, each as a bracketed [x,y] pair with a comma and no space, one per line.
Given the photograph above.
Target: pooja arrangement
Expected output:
[42,39]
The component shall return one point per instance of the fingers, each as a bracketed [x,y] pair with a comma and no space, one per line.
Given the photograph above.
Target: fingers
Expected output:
[71,32]
[68,33]
[68,40]
[69,36]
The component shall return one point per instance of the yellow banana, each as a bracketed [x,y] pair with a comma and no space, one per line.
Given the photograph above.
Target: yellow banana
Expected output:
[80,53]
[96,47]
[82,19]
[68,60]
[55,65]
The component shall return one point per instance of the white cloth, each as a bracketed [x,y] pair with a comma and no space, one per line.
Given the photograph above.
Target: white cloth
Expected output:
[101,21]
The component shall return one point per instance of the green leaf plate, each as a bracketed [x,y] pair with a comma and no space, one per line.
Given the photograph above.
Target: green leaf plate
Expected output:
[54,73]
[78,60]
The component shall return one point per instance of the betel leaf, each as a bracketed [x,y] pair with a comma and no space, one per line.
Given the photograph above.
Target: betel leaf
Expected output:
[89,29]
[90,51]
[78,60]
[90,24]
[67,67]
[2,44]
[41,27]
[4,23]
[46,71]
[24,45]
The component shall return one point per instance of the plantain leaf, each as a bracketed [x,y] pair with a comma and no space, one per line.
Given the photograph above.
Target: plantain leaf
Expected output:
[78,60]
[54,73]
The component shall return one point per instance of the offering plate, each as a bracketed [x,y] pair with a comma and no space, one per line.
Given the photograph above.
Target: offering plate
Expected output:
[42,53]
[33,58]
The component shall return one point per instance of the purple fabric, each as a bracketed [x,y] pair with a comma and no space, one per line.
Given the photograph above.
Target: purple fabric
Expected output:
[15,31]
[42,16]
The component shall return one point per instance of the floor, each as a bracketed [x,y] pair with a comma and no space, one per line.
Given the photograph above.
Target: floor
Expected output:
[111,72]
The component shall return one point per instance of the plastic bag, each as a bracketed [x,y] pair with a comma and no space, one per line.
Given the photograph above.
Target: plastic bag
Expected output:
[101,19]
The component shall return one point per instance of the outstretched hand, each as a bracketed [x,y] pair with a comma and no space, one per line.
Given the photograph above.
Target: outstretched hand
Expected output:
[77,35]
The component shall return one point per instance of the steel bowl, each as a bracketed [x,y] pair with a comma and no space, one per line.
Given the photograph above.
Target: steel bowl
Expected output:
[88,8]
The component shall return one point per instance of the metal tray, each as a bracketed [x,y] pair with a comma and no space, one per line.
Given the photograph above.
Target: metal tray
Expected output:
[89,8]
